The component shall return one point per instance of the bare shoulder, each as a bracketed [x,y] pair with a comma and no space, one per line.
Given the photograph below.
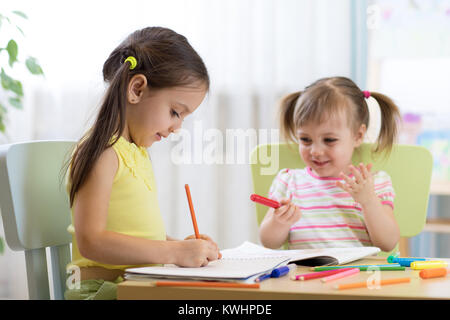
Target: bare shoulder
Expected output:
[92,199]
[105,167]
[99,180]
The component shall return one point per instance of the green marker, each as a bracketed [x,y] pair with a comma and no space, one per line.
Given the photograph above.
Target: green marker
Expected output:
[362,268]
[391,258]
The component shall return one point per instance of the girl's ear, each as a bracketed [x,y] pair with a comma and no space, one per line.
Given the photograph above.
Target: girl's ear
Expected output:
[359,137]
[136,87]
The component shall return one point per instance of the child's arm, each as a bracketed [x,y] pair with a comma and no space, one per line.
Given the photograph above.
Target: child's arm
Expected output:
[98,244]
[381,224]
[274,229]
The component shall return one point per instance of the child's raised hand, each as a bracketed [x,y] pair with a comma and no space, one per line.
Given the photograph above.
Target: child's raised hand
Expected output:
[361,188]
[288,213]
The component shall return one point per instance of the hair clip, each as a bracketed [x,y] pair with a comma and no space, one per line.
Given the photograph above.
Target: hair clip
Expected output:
[366,94]
[133,62]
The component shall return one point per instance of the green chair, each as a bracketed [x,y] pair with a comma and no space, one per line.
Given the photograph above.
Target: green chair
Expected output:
[35,210]
[409,167]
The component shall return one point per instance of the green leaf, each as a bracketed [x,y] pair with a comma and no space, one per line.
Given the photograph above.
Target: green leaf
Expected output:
[33,66]
[13,50]
[16,102]
[20,30]
[9,83]
[2,124]
[20,13]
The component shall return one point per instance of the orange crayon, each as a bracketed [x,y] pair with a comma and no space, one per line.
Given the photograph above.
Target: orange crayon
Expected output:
[433,273]
[191,208]
[365,284]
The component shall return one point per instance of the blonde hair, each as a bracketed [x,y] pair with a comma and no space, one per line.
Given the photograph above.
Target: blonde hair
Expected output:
[329,96]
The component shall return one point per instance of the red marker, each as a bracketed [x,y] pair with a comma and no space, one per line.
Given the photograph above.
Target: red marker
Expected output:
[264,201]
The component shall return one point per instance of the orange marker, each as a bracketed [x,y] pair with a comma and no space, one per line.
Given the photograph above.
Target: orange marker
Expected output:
[191,208]
[365,284]
[433,273]
[206,284]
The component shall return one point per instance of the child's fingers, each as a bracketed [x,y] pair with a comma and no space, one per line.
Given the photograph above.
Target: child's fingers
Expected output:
[280,211]
[365,170]
[350,182]
[285,201]
[206,237]
[343,186]
[358,177]
[362,170]
[286,214]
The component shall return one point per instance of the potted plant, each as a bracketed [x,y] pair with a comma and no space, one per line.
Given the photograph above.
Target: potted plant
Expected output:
[11,90]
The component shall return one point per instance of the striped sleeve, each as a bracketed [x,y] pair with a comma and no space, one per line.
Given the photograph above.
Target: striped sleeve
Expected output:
[384,189]
[280,185]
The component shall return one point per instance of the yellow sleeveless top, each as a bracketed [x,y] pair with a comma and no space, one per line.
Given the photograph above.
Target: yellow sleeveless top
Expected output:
[133,204]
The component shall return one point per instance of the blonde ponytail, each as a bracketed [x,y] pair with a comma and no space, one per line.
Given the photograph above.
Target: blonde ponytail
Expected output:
[287,108]
[390,118]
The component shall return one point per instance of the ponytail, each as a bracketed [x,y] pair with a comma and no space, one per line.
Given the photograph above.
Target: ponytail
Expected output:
[390,118]
[287,109]
[109,124]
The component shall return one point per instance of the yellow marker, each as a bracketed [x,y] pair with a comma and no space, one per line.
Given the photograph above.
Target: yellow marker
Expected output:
[419,265]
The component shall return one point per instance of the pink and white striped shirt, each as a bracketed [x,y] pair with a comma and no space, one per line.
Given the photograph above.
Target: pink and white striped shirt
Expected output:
[330,216]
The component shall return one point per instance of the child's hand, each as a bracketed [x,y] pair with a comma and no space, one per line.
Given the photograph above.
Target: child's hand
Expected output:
[361,188]
[287,214]
[204,237]
[196,252]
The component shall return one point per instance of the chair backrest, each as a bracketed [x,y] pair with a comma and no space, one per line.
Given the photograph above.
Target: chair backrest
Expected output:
[35,210]
[409,167]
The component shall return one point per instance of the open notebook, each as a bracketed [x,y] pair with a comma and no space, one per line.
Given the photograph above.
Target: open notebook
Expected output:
[250,260]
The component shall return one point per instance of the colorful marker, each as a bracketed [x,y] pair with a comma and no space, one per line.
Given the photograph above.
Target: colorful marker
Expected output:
[392,256]
[276,273]
[434,273]
[281,271]
[366,283]
[315,275]
[264,201]
[263,277]
[363,268]
[405,262]
[340,275]
[419,265]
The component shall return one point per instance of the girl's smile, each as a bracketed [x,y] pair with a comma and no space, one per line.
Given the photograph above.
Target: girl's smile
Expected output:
[327,147]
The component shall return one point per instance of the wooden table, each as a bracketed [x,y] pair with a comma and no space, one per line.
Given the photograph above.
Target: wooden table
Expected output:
[286,289]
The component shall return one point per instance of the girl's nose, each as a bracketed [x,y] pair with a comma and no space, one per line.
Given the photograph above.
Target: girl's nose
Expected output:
[176,126]
[316,151]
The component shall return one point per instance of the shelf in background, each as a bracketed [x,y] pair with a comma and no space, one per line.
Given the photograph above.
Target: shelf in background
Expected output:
[437,225]
[440,188]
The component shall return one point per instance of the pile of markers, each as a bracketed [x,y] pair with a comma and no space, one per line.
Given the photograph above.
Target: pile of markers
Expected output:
[428,269]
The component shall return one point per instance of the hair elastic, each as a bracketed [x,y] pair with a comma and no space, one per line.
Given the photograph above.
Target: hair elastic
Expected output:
[133,62]
[366,94]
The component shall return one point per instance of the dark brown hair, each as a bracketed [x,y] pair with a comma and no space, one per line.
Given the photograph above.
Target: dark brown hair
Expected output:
[329,96]
[165,58]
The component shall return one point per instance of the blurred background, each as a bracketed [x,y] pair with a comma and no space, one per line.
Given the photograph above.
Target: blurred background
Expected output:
[256,51]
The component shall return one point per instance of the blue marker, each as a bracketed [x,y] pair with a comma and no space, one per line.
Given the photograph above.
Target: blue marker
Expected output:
[406,262]
[276,273]
[281,271]
[263,277]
